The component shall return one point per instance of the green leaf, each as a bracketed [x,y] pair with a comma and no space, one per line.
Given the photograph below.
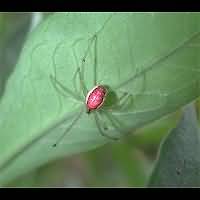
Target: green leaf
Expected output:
[153,57]
[178,164]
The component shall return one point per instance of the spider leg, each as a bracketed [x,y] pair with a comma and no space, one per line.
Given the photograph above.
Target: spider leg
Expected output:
[77,67]
[95,59]
[76,118]
[118,126]
[91,40]
[75,83]
[101,131]
[122,102]
[63,90]
[53,81]
[81,68]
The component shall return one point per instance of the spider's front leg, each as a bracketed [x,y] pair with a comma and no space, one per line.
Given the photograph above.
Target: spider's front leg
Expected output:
[58,86]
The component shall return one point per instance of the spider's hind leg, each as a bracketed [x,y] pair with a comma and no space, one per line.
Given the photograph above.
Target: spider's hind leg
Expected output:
[122,102]
[118,125]
[102,130]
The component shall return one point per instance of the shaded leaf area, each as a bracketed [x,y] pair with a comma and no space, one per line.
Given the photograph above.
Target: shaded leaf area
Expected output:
[105,166]
[13,31]
[178,164]
[153,58]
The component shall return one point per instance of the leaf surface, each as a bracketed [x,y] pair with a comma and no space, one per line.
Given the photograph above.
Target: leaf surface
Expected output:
[153,57]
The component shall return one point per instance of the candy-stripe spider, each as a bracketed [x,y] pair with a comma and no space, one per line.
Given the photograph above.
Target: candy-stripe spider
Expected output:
[94,100]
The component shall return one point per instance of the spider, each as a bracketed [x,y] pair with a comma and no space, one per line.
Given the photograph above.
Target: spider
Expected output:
[95,101]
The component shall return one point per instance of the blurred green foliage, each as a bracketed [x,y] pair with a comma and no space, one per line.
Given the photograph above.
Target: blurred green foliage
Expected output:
[13,30]
[125,163]
[179,164]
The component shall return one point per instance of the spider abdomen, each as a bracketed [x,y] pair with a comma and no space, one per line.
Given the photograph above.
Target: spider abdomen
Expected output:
[95,98]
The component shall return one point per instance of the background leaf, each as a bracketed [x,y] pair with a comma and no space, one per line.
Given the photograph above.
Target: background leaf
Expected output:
[13,31]
[152,57]
[178,164]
